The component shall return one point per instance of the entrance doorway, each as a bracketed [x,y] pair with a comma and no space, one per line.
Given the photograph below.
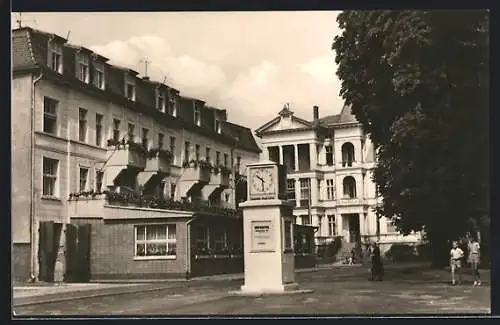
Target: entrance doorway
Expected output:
[354,229]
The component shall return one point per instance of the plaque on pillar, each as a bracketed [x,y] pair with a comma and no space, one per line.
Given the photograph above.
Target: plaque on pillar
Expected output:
[268,233]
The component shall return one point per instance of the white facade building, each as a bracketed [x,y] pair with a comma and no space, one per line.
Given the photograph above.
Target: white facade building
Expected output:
[330,162]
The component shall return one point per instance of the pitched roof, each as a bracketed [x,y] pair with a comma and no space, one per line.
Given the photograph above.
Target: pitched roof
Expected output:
[30,49]
[344,117]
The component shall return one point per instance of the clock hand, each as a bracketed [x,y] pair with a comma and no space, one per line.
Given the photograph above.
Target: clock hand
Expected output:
[261,179]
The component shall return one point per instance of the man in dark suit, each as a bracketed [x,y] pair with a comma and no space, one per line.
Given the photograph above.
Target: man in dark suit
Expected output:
[377,269]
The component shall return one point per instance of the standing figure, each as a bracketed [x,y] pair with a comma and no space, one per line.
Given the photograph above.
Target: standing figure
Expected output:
[474,258]
[377,266]
[456,255]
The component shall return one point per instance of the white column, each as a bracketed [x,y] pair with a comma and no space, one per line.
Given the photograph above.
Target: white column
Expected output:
[362,228]
[281,154]
[297,191]
[314,191]
[313,155]
[339,225]
[265,153]
[296,156]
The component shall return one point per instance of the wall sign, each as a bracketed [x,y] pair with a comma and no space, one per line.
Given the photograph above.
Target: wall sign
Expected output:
[262,236]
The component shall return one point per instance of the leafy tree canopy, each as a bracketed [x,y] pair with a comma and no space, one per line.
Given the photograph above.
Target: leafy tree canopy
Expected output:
[418,83]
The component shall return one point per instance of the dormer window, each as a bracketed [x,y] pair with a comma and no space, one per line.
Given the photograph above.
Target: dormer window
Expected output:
[99,75]
[172,104]
[160,100]
[83,68]
[130,89]
[55,56]
[218,128]
[197,117]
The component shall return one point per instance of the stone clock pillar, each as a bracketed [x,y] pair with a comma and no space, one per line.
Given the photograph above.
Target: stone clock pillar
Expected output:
[268,232]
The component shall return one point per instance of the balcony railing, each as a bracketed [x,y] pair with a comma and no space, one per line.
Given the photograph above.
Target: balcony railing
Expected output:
[196,171]
[158,160]
[350,201]
[126,154]
[220,176]
[91,203]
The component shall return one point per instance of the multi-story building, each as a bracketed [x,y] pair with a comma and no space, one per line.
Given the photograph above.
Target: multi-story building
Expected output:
[330,163]
[96,144]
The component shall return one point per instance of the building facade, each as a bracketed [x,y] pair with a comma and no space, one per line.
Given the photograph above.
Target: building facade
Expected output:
[156,174]
[330,163]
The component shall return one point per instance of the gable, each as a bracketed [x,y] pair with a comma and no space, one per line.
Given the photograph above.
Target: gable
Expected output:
[281,123]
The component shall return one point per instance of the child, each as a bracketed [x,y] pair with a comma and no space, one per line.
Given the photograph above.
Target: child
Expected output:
[456,255]
[474,257]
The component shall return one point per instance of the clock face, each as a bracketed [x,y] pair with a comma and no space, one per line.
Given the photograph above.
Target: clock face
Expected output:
[262,181]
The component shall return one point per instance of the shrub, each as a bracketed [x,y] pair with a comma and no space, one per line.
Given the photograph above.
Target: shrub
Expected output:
[401,253]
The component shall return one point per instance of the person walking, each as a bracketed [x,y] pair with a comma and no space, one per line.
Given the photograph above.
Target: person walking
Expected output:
[377,268]
[456,255]
[474,258]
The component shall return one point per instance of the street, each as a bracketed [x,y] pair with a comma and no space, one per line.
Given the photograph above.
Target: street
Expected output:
[336,291]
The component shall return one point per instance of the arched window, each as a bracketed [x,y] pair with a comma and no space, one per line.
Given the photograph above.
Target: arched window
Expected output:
[347,154]
[349,187]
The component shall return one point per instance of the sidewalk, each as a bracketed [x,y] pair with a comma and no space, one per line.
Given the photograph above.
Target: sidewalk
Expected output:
[24,295]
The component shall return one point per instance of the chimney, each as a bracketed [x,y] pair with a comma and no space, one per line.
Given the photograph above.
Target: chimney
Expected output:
[315,112]
[145,78]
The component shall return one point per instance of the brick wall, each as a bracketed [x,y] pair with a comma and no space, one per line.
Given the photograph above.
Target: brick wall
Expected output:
[112,251]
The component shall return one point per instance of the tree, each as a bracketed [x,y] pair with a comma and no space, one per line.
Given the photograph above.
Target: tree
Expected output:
[418,83]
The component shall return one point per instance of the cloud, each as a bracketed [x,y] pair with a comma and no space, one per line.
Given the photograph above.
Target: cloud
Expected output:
[253,91]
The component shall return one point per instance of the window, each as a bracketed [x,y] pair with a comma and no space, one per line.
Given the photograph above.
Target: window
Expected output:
[217,126]
[99,175]
[330,189]
[172,104]
[50,167]
[160,101]
[290,189]
[186,151]
[131,131]
[217,158]
[99,75]
[349,187]
[329,155]
[197,117]
[331,225]
[197,152]
[347,154]
[130,89]
[82,124]
[220,239]
[83,68]
[50,115]
[83,178]
[390,226]
[55,56]
[172,191]
[202,238]
[305,185]
[98,129]
[306,219]
[155,240]
[116,129]
[225,159]
[227,197]
[207,154]
[172,147]
[161,138]
[145,141]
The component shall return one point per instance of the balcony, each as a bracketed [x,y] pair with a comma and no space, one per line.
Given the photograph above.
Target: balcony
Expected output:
[347,201]
[122,157]
[195,175]
[348,164]
[219,181]
[157,167]
[114,205]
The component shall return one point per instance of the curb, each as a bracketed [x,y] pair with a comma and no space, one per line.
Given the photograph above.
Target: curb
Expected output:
[56,297]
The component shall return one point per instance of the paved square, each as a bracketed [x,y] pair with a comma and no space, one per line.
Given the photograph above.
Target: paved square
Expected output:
[336,291]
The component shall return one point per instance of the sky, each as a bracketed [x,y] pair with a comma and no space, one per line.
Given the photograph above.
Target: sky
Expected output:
[250,63]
